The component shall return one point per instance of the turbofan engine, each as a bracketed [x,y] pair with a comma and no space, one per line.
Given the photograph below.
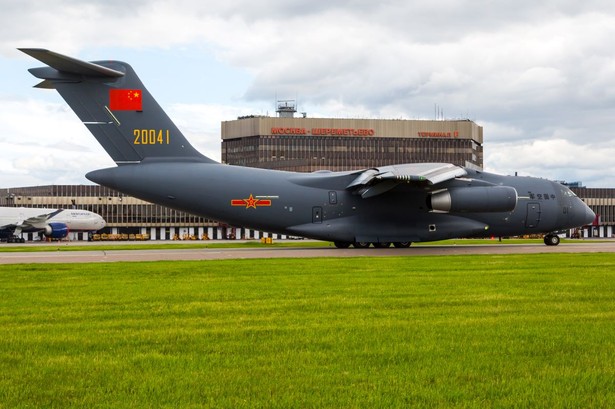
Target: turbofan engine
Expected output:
[474,199]
[56,230]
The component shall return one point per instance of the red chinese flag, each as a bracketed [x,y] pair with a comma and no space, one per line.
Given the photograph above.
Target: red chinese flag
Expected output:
[125,100]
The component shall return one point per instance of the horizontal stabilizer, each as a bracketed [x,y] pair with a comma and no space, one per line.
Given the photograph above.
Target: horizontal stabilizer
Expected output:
[45,84]
[70,65]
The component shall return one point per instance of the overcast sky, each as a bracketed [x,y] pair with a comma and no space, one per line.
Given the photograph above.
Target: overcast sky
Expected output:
[538,76]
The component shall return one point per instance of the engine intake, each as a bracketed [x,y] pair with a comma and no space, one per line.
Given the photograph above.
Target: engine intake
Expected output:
[474,199]
[56,230]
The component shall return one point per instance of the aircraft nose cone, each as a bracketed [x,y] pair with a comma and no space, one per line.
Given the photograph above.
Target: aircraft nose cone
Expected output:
[582,214]
[590,216]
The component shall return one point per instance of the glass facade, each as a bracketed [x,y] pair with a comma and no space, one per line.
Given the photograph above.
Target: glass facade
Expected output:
[308,154]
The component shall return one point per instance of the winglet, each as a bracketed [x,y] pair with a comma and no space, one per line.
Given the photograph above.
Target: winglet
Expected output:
[70,65]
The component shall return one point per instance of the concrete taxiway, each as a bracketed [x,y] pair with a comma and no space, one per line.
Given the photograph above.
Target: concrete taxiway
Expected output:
[105,256]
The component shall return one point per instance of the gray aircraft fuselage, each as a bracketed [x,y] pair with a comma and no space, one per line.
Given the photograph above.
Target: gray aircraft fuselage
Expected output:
[396,204]
[317,205]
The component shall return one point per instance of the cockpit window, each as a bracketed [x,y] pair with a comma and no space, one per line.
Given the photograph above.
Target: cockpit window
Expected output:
[568,192]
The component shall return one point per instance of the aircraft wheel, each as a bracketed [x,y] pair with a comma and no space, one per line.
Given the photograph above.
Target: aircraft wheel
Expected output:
[402,244]
[341,244]
[382,245]
[551,240]
[361,244]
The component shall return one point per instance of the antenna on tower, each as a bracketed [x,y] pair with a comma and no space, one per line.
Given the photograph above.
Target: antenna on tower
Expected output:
[286,108]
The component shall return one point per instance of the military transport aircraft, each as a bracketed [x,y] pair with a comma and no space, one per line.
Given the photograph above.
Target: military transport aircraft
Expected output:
[52,223]
[397,204]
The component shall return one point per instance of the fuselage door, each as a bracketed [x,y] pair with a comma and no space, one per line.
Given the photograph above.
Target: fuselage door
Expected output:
[533,215]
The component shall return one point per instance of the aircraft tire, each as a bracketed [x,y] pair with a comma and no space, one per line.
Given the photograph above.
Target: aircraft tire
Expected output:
[402,244]
[551,240]
[361,244]
[341,244]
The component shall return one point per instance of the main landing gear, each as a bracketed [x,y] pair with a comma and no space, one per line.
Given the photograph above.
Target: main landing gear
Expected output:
[364,244]
[551,239]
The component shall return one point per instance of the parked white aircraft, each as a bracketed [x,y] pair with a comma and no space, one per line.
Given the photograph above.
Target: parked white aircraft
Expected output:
[53,223]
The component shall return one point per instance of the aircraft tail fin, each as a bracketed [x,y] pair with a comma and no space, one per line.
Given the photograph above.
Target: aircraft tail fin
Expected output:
[115,106]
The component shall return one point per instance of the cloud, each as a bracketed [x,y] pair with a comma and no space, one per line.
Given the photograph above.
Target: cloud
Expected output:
[53,150]
[200,124]
[556,159]
[531,73]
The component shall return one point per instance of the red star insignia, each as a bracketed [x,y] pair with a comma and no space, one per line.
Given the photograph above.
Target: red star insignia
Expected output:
[251,202]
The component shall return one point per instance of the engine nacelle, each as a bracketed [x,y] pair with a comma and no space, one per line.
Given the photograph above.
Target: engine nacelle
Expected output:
[56,230]
[474,199]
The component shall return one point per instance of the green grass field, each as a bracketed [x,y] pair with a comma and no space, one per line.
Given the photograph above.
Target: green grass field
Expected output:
[460,331]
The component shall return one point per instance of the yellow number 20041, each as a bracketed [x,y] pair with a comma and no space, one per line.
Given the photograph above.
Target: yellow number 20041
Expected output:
[151,136]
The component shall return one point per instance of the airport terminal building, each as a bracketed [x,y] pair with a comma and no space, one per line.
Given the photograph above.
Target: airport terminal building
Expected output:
[133,217]
[311,144]
[602,202]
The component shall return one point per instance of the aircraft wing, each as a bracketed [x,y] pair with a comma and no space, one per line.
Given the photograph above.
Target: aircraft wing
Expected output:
[375,181]
[35,222]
